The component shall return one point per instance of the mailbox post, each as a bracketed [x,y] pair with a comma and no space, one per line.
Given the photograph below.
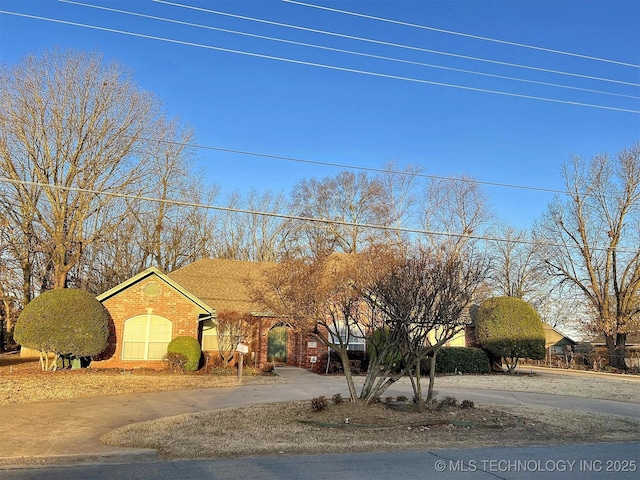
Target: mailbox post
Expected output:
[242,350]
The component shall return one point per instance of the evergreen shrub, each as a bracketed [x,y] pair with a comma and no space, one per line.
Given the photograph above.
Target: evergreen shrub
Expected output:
[190,348]
[68,322]
[462,360]
[510,328]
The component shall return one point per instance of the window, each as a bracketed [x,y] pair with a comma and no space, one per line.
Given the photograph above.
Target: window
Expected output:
[209,336]
[356,341]
[146,337]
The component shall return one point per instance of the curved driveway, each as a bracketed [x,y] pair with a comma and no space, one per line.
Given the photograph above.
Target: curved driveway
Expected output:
[71,428]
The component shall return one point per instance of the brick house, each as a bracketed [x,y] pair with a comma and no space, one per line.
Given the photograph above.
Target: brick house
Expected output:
[151,308]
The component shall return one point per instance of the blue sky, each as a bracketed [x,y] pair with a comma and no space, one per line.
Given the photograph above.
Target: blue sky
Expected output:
[267,106]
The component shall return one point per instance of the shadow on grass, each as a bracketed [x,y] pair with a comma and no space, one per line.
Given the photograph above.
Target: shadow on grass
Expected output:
[13,359]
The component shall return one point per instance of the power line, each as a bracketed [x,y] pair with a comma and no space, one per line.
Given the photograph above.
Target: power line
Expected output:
[461,34]
[367,169]
[181,203]
[391,44]
[350,52]
[270,156]
[320,65]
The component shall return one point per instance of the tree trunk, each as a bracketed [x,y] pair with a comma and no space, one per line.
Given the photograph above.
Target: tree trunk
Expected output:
[346,366]
[417,386]
[432,377]
[27,275]
[616,350]
[380,386]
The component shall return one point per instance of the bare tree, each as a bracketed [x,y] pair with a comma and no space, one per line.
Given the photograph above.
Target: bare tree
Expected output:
[174,229]
[18,202]
[229,237]
[592,243]
[347,201]
[455,207]
[9,285]
[424,295]
[400,198]
[516,271]
[260,237]
[232,328]
[322,297]
[71,127]
[268,235]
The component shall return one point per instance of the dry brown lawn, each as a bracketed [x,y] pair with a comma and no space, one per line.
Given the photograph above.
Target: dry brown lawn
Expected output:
[622,388]
[292,427]
[22,381]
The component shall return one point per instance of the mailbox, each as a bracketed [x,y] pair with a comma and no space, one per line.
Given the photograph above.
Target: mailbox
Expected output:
[242,348]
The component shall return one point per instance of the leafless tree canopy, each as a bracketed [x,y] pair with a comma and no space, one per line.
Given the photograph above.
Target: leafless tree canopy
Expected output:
[422,301]
[350,198]
[592,242]
[79,141]
[233,328]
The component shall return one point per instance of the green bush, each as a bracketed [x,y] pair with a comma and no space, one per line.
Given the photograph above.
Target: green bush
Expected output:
[510,328]
[462,360]
[190,348]
[68,322]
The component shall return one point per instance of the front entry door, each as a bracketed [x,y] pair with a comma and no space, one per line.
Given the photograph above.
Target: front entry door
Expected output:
[277,345]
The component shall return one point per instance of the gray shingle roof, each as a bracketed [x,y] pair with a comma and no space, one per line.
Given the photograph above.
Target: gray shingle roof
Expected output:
[221,283]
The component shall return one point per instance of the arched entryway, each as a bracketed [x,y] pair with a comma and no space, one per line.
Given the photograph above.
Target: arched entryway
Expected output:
[277,344]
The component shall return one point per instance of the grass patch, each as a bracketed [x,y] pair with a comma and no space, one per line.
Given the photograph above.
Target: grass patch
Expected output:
[293,428]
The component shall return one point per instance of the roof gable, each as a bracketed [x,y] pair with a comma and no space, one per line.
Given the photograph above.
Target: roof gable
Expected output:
[553,336]
[153,271]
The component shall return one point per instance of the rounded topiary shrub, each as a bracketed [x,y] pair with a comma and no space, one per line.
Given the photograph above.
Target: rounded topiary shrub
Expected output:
[510,328]
[67,322]
[190,348]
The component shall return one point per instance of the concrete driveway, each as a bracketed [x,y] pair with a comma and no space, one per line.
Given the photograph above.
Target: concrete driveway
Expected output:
[69,430]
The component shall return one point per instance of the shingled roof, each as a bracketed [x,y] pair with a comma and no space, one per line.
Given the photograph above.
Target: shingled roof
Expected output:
[221,283]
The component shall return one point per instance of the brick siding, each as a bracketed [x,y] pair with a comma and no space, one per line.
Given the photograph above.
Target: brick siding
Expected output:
[133,301]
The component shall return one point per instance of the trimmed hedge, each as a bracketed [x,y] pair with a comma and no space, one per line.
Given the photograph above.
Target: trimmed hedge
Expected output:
[190,348]
[510,328]
[65,321]
[462,360]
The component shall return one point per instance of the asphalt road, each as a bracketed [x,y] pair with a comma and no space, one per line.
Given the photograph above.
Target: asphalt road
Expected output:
[618,461]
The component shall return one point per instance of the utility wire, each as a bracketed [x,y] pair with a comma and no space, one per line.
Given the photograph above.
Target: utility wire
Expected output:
[200,146]
[320,65]
[461,34]
[181,203]
[359,168]
[340,50]
[391,44]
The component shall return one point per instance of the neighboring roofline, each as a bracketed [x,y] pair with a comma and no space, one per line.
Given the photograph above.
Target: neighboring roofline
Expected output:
[157,272]
[561,334]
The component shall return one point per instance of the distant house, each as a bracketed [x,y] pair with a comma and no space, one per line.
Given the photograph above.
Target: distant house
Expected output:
[151,308]
[556,342]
